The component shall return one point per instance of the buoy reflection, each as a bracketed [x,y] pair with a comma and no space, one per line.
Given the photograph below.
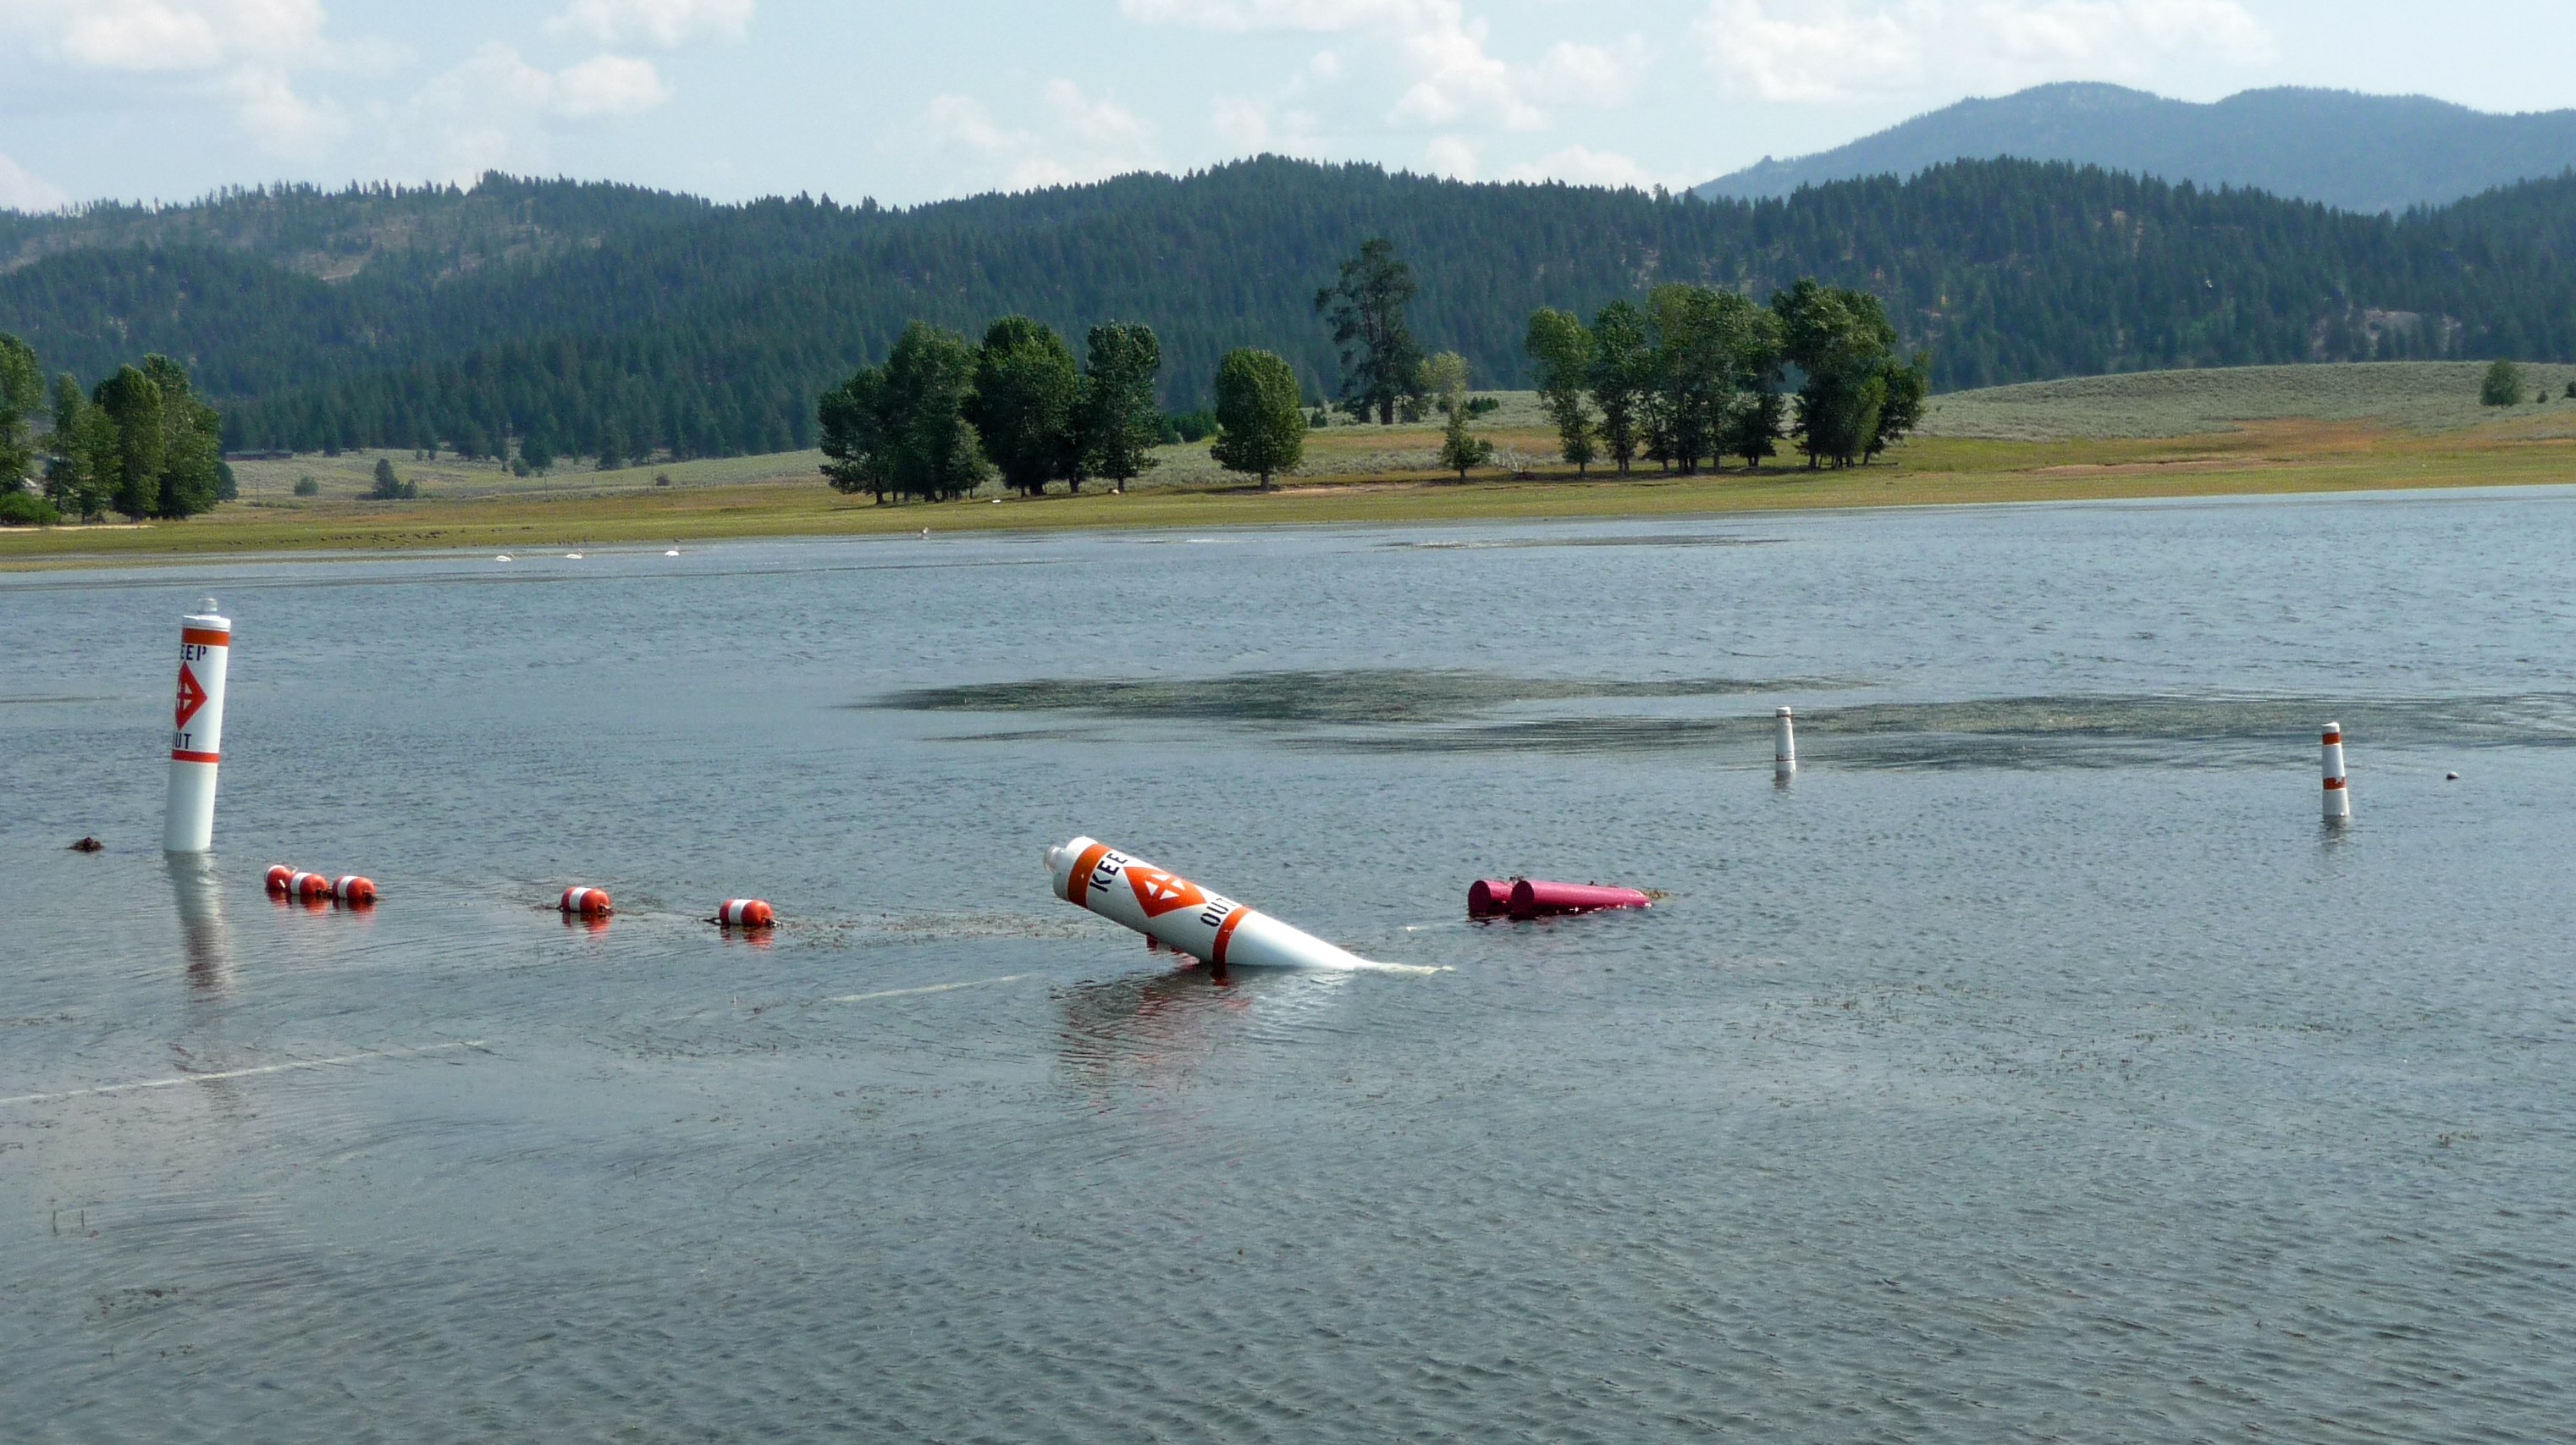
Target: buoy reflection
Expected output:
[203,934]
[1162,1026]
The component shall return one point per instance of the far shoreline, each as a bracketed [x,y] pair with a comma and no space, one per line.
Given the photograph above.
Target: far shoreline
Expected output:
[2263,458]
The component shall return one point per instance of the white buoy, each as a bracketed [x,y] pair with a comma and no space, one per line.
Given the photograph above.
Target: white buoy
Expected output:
[1784,745]
[2338,796]
[197,730]
[1180,915]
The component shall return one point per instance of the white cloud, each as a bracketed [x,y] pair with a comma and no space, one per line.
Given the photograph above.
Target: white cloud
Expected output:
[243,51]
[1603,75]
[1835,50]
[23,190]
[1244,125]
[1451,75]
[1249,126]
[1585,166]
[1450,156]
[1242,15]
[607,85]
[1088,140]
[493,111]
[1455,77]
[666,23]
[1098,124]
[265,101]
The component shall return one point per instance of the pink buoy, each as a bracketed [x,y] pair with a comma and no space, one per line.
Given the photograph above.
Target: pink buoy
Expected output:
[1533,898]
[1487,897]
[588,902]
[353,890]
[745,913]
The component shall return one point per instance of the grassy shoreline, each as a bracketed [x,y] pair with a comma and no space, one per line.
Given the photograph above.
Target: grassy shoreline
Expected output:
[781,497]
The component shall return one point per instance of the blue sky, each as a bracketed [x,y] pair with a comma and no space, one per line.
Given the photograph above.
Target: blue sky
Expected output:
[166,99]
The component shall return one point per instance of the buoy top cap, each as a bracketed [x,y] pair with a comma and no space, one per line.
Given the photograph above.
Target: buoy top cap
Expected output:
[1784,712]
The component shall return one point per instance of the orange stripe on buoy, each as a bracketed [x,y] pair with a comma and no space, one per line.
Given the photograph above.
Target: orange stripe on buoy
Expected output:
[2334,738]
[2334,782]
[204,637]
[1225,931]
[179,755]
[1079,885]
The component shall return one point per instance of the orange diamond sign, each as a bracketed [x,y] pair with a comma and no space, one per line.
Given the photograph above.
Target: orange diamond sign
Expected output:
[191,696]
[1160,892]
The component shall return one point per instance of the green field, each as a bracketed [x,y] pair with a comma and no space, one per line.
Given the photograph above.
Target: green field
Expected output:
[2259,429]
[2426,396]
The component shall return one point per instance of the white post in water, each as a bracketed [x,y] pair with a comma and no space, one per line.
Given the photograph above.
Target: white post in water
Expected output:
[197,732]
[1784,746]
[2338,797]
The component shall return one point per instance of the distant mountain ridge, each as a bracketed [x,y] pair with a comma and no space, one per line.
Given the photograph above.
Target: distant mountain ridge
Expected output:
[2355,152]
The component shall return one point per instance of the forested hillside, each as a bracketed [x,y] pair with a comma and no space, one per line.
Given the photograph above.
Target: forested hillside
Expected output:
[603,317]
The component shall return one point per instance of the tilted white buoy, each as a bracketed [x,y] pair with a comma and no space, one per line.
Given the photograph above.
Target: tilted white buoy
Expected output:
[1784,746]
[197,730]
[2338,796]
[1180,915]
[674,552]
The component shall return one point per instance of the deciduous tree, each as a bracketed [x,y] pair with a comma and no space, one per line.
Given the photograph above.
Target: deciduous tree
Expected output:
[1261,423]
[1561,346]
[22,391]
[900,428]
[1026,386]
[132,463]
[1709,347]
[1623,372]
[191,477]
[1754,431]
[1446,376]
[1120,421]
[1843,343]
[1909,384]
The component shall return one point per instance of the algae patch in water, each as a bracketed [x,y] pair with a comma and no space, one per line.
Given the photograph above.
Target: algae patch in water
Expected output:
[2028,732]
[1349,696]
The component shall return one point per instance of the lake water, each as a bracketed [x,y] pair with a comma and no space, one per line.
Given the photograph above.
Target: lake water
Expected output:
[2035,1066]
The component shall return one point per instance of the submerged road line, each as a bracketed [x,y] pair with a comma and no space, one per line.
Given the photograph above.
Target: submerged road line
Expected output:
[926,988]
[243,1073]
